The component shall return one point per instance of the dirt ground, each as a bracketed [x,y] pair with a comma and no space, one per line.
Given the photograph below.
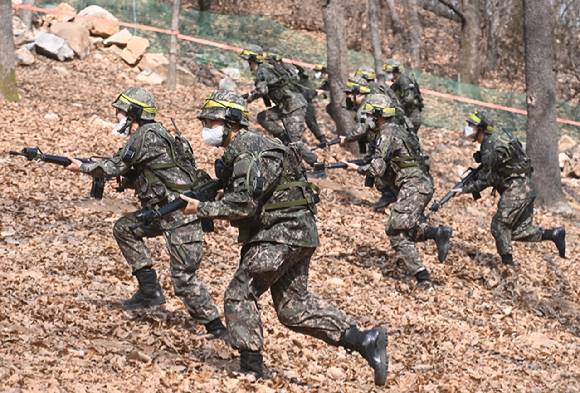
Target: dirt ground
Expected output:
[485,328]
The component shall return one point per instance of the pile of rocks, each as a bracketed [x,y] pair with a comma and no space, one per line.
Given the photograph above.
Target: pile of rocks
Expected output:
[569,157]
[64,38]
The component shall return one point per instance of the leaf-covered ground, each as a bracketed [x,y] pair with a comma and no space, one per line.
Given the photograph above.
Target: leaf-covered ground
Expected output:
[62,278]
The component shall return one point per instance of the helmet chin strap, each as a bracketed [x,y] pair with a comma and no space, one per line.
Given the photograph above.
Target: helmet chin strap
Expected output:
[227,129]
[125,129]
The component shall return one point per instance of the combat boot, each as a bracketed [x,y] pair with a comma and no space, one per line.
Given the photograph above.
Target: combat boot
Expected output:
[217,329]
[441,235]
[251,363]
[508,260]
[386,199]
[424,281]
[372,345]
[558,236]
[149,293]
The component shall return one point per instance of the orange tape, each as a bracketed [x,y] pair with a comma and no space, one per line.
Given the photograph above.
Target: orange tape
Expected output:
[300,63]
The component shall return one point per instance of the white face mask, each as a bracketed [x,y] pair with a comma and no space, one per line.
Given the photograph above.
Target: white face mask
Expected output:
[390,76]
[318,75]
[213,136]
[469,130]
[120,126]
[246,64]
[371,122]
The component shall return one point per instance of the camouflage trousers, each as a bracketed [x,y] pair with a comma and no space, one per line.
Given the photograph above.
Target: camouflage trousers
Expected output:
[185,254]
[295,124]
[414,114]
[514,221]
[406,226]
[284,270]
[312,123]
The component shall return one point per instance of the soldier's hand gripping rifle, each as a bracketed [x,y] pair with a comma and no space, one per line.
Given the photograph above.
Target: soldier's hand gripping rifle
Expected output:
[323,145]
[34,153]
[203,193]
[468,176]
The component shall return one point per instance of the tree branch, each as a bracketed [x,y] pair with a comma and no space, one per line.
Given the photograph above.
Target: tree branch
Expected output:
[454,9]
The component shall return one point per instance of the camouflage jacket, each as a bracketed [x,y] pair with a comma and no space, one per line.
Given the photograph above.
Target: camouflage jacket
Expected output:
[155,180]
[259,159]
[502,167]
[279,86]
[405,92]
[398,157]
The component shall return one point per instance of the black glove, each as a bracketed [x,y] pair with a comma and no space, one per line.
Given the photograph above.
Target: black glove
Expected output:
[223,171]
[477,157]
[323,140]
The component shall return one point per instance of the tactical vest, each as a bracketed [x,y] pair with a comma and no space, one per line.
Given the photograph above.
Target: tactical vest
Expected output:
[181,155]
[416,158]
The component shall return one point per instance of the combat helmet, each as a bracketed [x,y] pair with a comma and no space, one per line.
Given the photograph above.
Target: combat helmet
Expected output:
[226,105]
[137,102]
[274,54]
[482,120]
[367,72]
[379,105]
[357,85]
[253,53]
[320,68]
[393,65]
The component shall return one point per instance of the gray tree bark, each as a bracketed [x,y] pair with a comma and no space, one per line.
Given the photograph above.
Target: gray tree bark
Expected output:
[439,9]
[376,39]
[397,27]
[414,35]
[172,72]
[542,129]
[8,86]
[492,35]
[26,15]
[337,61]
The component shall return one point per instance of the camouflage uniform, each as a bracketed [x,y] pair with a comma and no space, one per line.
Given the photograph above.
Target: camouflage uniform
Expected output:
[404,89]
[397,165]
[510,176]
[156,183]
[278,244]
[290,106]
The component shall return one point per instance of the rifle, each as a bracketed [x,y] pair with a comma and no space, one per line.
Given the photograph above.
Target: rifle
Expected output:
[34,153]
[369,180]
[323,145]
[265,98]
[203,193]
[465,179]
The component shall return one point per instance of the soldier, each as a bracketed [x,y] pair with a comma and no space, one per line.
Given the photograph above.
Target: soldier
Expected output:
[399,161]
[275,56]
[406,90]
[274,84]
[366,136]
[162,167]
[321,72]
[268,198]
[506,168]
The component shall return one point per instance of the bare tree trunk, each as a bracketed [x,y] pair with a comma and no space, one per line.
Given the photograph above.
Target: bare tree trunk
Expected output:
[542,130]
[8,86]
[439,9]
[492,36]
[26,15]
[396,27]
[376,39]
[204,5]
[468,65]
[172,72]
[414,36]
[337,61]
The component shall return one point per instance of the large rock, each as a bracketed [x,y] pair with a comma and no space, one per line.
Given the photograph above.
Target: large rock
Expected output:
[566,143]
[128,56]
[98,28]
[24,57]
[227,84]
[66,8]
[184,77]
[53,46]
[121,38]
[232,72]
[152,61]
[150,77]
[18,26]
[76,36]
[138,46]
